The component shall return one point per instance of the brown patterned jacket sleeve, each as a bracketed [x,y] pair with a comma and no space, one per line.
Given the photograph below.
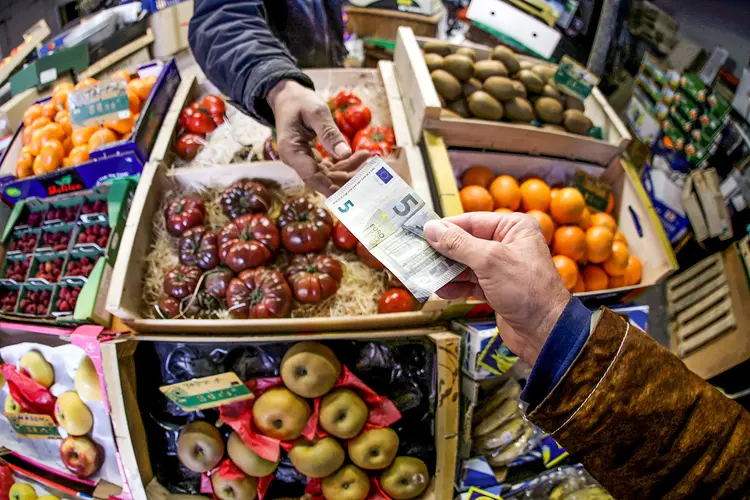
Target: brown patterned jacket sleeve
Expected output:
[643,424]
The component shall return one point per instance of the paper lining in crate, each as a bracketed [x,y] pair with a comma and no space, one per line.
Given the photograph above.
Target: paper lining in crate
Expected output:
[634,214]
[424,113]
[126,394]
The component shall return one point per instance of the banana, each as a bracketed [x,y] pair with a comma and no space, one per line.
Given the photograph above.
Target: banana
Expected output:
[513,451]
[592,493]
[511,389]
[500,415]
[502,436]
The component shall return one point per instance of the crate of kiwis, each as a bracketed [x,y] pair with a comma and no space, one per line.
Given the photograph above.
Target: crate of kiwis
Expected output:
[492,98]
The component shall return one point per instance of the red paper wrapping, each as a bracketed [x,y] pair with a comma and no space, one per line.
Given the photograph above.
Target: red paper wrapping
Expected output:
[228,470]
[32,396]
[6,481]
[314,489]
[376,492]
[239,416]
[382,411]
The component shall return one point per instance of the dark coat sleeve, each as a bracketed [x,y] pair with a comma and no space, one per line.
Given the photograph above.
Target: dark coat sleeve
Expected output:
[643,424]
[233,44]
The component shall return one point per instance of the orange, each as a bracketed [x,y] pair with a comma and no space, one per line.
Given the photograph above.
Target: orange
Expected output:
[120,75]
[87,82]
[580,287]
[50,157]
[63,86]
[148,84]
[620,237]
[26,135]
[67,145]
[585,221]
[546,222]
[475,199]
[553,192]
[535,195]
[617,281]
[24,167]
[122,127]
[26,152]
[81,136]
[567,269]
[505,192]
[477,176]
[134,102]
[67,163]
[594,278]
[135,86]
[606,220]
[41,122]
[78,155]
[617,263]
[633,271]
[567,206]
[49,109]
[63,118]
[100,138]
[31,114]
[36,142]
[599,241]
[53,131]
[60,98]
[610,204]
[504,210]
[569,241]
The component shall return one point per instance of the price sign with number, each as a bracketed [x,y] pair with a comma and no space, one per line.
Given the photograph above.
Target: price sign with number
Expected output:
[207,392]
[573,79]
[33,426]
[98,104]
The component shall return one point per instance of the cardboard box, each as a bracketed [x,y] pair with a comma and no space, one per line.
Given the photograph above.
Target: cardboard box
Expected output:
[170,27]
[424,7]
[483,353]
[46,70]
[423,111]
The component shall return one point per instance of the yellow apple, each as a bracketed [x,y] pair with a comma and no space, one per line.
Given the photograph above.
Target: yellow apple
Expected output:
[247,460]
[48,497]
[2,378]
[318,458]
[87,381]
[310,369]
[374,449]
[73,415]
[81,455]
[20,491]
[35,366]
[245,488]
[200,446]
[11,407]
[281,414]
[406,478]
[347,483]
[343,413]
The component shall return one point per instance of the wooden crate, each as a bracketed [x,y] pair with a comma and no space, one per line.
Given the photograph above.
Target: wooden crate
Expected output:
[121,379]
[709,316]
[423,112]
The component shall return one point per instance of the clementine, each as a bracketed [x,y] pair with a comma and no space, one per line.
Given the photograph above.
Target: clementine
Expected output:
[599,241]
[78,155]
[567,206]
[63,86]
[122,127]
[41,122]
[67,145]
[505,192]
[145,89]
[535,195]
[60,98]
[477,176]
[120,75]
[53,131]
[567,269]
[50,157]
[610,204]
[594,278]
[546,223]
[475,199]
[606,220]
[617,262]
[81,136]
[617,281]
[569,241]
[633,271]
[580,287]
[620,237]
[24,167]
[49,109]
[585,221]
[86,82]
[31,114]
[504,210]
[100,138]
[134,102]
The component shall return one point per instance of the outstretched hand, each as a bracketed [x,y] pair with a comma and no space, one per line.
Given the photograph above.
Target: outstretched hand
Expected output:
[509,267]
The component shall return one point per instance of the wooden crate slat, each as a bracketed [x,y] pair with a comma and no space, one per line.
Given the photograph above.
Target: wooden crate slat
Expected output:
[707,335]
[691,298]
[704,320]
[707,275]
[704,304]
[692,272]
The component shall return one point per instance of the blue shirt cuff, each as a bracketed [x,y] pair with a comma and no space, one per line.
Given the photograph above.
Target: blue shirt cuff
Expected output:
[559,351]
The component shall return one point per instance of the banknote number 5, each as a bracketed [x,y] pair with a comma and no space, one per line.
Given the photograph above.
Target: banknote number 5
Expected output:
[402,208]
[347,205]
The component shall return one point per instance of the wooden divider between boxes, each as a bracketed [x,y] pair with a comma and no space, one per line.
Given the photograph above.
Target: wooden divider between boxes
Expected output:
[122,381]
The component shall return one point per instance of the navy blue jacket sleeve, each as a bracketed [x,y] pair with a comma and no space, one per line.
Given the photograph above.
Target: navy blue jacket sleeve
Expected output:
[234,45]
[563,345]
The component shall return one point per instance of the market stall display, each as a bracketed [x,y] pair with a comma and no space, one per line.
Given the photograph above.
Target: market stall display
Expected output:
[406,415]
[480,86]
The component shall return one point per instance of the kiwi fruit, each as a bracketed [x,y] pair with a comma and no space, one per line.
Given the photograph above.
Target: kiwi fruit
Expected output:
[552,126]
[550,91]
[443,102]
[489,67]
[519,109]
[545,72]
[460,108]
[549,110]
[446,84]
[576,121]
[437,47]
[526,65]
[502,88]
[531,80]
[470,86]
[459,66]
[482,105]
[468,52]
[447,113]
[573,103]
[434,61]
[519,88]
[507,57]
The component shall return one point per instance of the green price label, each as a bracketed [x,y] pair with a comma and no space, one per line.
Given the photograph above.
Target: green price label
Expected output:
[98,104]
[594,191]
[207,392]
[573,79]
[33,426]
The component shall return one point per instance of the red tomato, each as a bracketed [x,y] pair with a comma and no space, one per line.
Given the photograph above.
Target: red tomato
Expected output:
[344,126]
[200,122]
[305,227]
[259,293]
[367,144]
[343,99]
[367,258]
[343,238]
[395,300]
[358,116]
[188,145]
[313,277]
[248,241]
[382,136]
[185,116]
[214,105]
[184,213]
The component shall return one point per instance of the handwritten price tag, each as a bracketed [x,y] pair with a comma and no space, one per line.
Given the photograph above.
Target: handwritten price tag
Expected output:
[207,392]
[33,426]
[100,103]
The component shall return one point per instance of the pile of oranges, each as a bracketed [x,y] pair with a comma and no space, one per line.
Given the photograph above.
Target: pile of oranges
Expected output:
[49,140]
[588,251]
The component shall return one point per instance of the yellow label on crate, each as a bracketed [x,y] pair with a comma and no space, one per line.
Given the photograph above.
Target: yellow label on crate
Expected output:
[477,494]
[33,426]
[207,392]
[496,358]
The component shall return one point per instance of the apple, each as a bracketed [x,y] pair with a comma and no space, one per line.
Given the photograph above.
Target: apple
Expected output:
[20,491]
[245,488]
[11,406]
[200,446]
[73,415]
[310,369]
[406,478]
[374,449]
[2,378]
[48,497]
[347,483]
[247,460]
[86,381]
[82,456]
[281,414]
[319,458]
[343,413]
[35,366]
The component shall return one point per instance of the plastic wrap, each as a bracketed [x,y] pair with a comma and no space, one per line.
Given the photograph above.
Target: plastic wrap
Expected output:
[564,483]
[402,370]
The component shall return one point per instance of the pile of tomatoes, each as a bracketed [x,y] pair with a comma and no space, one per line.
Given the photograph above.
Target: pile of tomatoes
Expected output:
[232,268]
[197,120]
[353,120]
[49,140]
